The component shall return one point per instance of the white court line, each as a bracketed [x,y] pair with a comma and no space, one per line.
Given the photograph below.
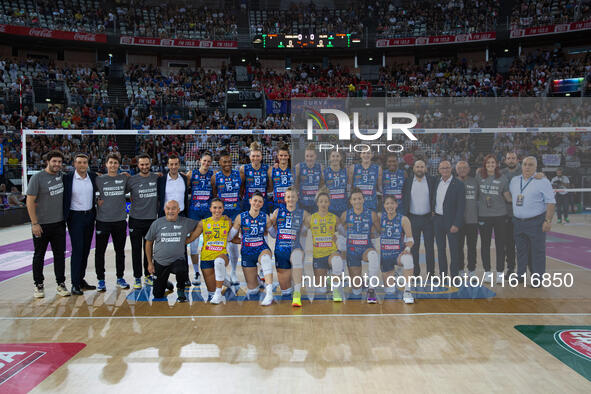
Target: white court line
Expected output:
[426,314]
[566,262]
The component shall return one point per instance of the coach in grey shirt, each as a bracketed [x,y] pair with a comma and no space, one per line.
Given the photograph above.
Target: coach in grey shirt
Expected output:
[110,220]
[166,244]
[533,208]
[45,194]
[469,231]
[144,210]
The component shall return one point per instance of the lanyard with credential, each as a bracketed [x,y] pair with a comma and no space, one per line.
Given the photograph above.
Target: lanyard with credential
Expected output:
[521,183]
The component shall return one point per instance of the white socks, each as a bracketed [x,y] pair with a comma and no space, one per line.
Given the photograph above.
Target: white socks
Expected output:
[373,265]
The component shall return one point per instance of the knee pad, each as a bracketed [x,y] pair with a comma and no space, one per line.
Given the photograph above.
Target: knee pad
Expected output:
[341,243]
[407,261]
[297,259]
[267,264]
[373,263]
[219,266]
[195,249]
[337,265]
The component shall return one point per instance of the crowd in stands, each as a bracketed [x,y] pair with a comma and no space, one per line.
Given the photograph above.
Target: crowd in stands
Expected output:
[531,13]
[434,17]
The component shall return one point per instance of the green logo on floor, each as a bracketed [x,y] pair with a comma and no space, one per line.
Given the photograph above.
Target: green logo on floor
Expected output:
[569,344]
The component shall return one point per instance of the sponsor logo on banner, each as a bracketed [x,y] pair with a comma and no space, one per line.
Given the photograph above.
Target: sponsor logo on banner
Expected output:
[55,34]
[143,131]
[258,131]
[86,131]
[178,43]
[550,29]
[200,131]
[435,40]
[39,132]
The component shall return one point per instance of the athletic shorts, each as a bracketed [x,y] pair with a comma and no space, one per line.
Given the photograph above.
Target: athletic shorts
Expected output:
[309,206]
[320,263]
[354,259]
[200,214]
[389,262]
[251,259]
[207,264]
[232,213]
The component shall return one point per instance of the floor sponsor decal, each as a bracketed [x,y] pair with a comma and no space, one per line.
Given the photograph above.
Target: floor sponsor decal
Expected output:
[569,344]
[24,365]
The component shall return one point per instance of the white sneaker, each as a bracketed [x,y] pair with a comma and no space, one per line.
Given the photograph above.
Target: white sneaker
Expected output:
[500,277]
[268,300]
[217,299]
[408,298]
[62,290]
[38,291]
[488,277]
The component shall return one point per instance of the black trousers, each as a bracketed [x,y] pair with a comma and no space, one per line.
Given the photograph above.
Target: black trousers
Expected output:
[443,233]
[138,228]
[486,226]
[54,234]
[423,224]
[81,228]
[468,235]
[562,202]
[162,272]
[117,231]
[510,243]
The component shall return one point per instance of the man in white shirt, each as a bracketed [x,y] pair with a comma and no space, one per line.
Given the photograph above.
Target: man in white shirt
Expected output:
[79,214]
[416,200]
[173,186]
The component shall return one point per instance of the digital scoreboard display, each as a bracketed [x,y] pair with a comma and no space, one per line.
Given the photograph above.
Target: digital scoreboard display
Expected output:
[312,40]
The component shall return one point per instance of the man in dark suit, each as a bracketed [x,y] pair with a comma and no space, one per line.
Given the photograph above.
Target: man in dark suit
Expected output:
[449,202]
[416,197]
[173,186]
[79,214]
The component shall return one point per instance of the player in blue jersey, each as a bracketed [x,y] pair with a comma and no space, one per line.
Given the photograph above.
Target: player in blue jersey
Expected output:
[395,243]
[308,179]
[335,179]
[201,194]
[227,185]
[254,176]
[254,225]
[393,179]
[361,225]
[280,177]
[289,230]
[367,177]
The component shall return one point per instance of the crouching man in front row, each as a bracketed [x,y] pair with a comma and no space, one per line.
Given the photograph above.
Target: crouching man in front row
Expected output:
[167,238]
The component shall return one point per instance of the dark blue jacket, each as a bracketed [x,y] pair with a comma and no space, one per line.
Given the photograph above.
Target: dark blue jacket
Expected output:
[162,193]
[68,181]
[454,204]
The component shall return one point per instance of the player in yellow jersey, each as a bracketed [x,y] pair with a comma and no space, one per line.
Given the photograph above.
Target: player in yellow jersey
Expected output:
[323,226]
[214,255]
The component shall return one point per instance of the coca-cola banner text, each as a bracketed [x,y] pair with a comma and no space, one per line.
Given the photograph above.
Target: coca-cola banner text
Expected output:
[55,34]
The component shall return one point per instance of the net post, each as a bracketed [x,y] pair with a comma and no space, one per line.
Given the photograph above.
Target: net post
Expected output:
[24,160]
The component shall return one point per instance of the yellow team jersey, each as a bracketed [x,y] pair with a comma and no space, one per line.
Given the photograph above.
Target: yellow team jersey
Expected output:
[215,238]
[323,231]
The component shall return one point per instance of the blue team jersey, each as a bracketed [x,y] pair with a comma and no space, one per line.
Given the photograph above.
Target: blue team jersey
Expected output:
[367,181]
[200,194]
[281,181]
[289,225]
[336,182]
[391,236]
[358,231]
[255,180]
[309,184]
[392,183]
[228,188]
[253,233]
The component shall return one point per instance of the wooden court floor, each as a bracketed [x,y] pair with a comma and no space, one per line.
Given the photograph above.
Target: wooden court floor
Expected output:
[435,345]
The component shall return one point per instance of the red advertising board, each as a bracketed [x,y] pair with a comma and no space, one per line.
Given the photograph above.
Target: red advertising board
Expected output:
[24,365]
[435,40]
[550,29]
[177,42]
[54,34]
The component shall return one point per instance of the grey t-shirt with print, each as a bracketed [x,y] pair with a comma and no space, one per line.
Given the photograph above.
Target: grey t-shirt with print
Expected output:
[492,189]
[144,196]
[169,238]
[49,190]
[471,212]
[111,190]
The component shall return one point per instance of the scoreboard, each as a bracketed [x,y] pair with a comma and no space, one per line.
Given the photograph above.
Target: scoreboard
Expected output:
[312,40]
